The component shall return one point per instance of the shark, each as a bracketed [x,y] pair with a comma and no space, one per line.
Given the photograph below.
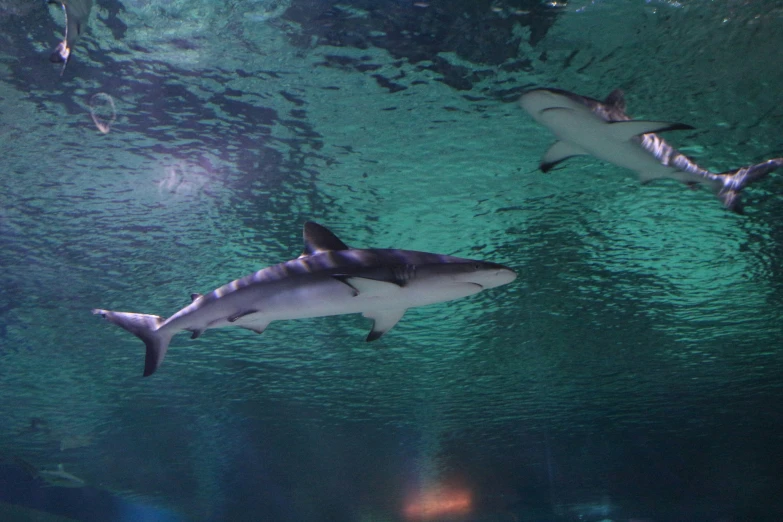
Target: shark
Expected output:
[60,477]
[587,126]
[329,278]
[77,12]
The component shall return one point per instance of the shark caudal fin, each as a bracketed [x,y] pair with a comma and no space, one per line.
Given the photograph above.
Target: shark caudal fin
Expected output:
[736,180]
[147,328]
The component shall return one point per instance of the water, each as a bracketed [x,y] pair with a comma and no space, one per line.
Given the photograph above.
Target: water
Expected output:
[631,372]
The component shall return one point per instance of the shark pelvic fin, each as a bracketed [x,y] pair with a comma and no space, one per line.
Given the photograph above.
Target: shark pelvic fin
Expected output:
[257,328]
[194,297]
[383,321]
[625,130]
[319,239]
[558,152]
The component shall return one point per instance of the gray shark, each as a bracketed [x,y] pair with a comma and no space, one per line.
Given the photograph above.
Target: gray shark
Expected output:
[60,477]
[329,278]
[77,12]
[585,126]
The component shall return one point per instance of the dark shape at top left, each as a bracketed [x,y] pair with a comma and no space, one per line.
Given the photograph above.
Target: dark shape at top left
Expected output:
[77,12]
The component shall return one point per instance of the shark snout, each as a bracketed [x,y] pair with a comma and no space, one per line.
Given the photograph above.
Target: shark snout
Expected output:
[537,101]
[495,276]
[504,276]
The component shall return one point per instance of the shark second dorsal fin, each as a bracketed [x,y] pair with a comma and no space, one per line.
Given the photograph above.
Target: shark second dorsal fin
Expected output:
[320,239]
[616,100]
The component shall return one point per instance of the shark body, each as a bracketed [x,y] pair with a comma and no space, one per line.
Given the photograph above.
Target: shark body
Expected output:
[77,12]
[329,278]
[586,126]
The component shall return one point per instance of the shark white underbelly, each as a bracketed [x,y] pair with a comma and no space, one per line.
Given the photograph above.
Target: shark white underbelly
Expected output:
[314,296]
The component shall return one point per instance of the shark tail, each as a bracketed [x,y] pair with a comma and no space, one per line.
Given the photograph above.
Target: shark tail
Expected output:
[735,180]
[148,329]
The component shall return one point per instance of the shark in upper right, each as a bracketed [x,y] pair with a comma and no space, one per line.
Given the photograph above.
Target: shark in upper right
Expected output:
[586,126]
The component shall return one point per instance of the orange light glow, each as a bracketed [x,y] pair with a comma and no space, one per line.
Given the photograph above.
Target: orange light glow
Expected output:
[438,502]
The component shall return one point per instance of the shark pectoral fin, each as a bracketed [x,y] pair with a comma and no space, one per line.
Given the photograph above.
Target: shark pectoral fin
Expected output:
[371,287]
[559,151]
[625,130]
[383,321]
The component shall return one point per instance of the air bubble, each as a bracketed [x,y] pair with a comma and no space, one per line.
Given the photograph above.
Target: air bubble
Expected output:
[103,111]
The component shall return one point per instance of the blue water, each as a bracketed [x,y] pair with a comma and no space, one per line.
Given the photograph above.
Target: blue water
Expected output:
[631,372]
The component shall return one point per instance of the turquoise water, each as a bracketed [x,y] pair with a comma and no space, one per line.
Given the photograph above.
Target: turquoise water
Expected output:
[631,372]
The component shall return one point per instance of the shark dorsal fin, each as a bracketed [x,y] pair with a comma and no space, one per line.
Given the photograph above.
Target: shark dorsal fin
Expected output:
[616,100]
[320,239]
